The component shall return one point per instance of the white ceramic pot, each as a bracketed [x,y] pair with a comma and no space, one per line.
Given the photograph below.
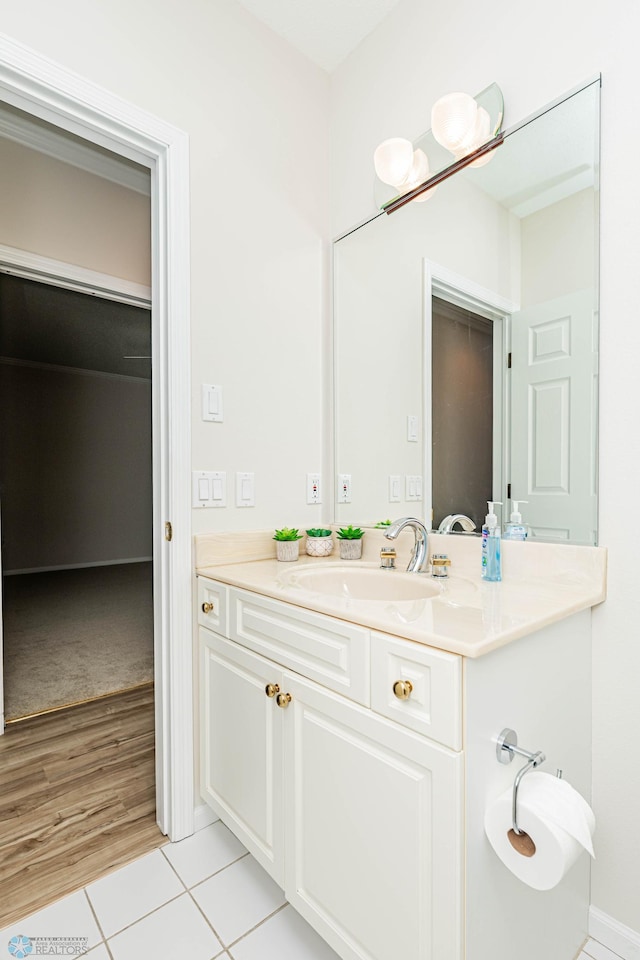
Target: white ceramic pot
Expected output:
[319,546]
[287,549]
[350,549]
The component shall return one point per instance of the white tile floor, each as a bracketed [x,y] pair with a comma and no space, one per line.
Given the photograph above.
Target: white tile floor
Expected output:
[595,951]
[202,898]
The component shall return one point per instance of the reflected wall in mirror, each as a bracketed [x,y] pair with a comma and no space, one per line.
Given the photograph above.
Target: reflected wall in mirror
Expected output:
[465,337]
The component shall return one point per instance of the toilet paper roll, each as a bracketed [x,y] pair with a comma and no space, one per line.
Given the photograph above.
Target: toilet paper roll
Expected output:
[555,816]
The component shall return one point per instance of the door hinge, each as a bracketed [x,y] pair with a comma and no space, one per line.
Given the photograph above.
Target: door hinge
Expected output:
[509,360]
[168,531]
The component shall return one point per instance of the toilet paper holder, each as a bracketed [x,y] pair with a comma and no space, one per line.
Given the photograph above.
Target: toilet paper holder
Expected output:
[506,748]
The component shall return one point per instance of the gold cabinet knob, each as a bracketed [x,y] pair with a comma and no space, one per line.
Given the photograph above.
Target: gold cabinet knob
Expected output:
[271,689]
[402,689]
[207,607]
[283,700]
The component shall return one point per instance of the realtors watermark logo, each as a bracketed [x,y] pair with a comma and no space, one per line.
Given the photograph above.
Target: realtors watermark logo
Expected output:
[21,946]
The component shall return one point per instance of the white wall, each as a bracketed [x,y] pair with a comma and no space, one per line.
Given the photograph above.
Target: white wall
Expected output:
[256,113]
[557,249]
[535,53]
[59,211]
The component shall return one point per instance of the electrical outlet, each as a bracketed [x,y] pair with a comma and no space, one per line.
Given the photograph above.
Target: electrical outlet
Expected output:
[314,493]
[344,488]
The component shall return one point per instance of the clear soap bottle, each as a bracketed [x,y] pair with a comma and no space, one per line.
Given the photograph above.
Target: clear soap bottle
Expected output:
[491,564]
[516,529]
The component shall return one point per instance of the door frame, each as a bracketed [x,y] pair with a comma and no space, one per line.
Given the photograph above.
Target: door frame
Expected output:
[439,281]
[46,90]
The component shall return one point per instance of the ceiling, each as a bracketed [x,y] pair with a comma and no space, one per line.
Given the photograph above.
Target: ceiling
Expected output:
[325,31]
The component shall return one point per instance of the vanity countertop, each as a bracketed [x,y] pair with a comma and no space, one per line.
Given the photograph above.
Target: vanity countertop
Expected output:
[542,583]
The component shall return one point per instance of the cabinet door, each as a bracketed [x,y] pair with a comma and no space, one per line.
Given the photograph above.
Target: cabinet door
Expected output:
[374,831]
[241,747]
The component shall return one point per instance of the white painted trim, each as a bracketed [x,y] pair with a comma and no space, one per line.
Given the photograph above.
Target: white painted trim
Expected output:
[32,266]
[42,88]
[203,816]
[28,133]
[77,566]
[457,289]
[442,282]
[76,371]
[614,935]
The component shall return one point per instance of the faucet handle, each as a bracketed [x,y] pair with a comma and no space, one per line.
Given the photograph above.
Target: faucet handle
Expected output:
[388,558]
[439,564]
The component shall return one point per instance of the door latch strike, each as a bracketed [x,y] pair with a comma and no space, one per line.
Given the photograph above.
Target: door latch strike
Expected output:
[168,531]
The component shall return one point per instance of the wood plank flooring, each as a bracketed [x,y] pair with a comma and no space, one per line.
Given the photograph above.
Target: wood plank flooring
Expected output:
[77,799]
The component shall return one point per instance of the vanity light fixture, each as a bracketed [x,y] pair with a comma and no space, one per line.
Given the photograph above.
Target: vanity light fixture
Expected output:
[466,127]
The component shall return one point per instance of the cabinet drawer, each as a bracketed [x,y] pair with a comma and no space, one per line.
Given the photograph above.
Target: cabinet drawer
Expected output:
[433,707]
[332,652]
[213,605]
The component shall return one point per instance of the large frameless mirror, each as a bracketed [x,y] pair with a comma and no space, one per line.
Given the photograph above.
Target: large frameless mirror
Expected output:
[466,340]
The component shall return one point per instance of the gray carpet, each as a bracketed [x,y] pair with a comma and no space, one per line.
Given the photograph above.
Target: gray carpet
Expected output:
[71,635]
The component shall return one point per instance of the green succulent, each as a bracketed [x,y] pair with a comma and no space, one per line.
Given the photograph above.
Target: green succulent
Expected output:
[318,532]
[287,533]
[350,533]
[382,523]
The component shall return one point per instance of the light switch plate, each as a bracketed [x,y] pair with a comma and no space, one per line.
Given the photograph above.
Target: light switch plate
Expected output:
[413,488]
[395,488]
[412,428]
[245,490]
[212,402]
[209,488]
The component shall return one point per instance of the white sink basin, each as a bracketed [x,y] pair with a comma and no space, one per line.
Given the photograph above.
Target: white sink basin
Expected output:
[363,583]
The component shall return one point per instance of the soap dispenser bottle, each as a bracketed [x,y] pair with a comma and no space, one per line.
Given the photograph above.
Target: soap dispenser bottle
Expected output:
[516,529]
[491,566]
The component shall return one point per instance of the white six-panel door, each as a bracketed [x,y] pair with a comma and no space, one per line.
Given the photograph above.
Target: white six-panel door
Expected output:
[553,415]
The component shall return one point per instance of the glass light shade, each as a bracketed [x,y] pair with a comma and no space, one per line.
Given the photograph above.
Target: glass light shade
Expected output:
[418,174]
[453,118]
[419,171]
[393,160]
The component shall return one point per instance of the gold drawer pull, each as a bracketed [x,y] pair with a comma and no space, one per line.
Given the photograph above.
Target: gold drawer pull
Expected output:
[207,607]
[283,700]
[403,689]
[271,689]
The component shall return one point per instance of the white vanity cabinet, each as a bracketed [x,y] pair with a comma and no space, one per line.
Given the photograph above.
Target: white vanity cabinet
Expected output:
[367,805]
[357,816]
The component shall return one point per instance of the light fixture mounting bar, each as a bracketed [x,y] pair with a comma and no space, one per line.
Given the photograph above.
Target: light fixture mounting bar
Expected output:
[437,178]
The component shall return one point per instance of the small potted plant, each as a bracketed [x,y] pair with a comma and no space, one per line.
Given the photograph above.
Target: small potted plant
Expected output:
[350,540]
[319,542]
[287,546]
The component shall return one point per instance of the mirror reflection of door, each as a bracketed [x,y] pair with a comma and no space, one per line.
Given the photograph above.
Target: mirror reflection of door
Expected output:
[462,412]
[553,415]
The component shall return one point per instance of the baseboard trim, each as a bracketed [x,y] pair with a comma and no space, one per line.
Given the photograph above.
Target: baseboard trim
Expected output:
[77,566]
[202,817]
[614,935]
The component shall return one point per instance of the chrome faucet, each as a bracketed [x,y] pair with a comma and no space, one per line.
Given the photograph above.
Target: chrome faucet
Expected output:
[449,522]
[418,562]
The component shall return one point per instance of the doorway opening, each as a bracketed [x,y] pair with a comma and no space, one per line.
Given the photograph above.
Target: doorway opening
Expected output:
[43,89]
[76,496]
[462,412]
